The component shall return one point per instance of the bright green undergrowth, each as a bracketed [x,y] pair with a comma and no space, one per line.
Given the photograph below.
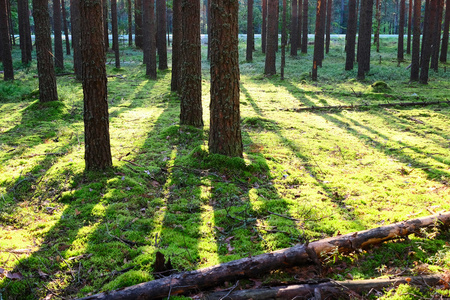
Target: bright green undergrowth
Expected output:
[334,172]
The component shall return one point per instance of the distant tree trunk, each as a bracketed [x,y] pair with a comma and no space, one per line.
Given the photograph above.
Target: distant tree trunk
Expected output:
[429,25]
[24,30]
[225,131]
[191,88]
[175,84]
[342,17]
[283,41]
[299,24]
[294,27]
[264,26]
[305,27]
[148,33]
[138,38]
[323,16]
[6,44]
[401,32]
[76,37]
[318,38]
[28,33]
[444,48]
[208,28]
[59,58]
[272,38]
[46,70]
[105,24]
[364,38]
[66,30]
[378,24]
[424,27]
[415,55]
[97,147]
[437,37]
[328,26]
[408,39]
[351,35]
[250,36]
[161,34]
[130,23]
[115,32]
[10,23]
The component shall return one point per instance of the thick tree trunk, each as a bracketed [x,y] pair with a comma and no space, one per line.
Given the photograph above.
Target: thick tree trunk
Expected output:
[148,33]
[175,84]
[105,24]
[115,32]
[225,131]
[272,38]
[444,47]
[97,154]
[318,39]
[305,27]
[76,37]
[351,35]
[415,55]
[255,266]
[130,23]
[66,29]
[191,87]
[161,44]
[429,25]
[24,30]
[328,26]
[401,32]
[364,38]
[250,35]
[59,58]
[138,38]
[294,27]
[437,37]
[264,25]
[299,24]
[5,41]
[408,38]
[46,69]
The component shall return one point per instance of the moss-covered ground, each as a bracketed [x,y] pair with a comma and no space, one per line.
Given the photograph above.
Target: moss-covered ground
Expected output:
[68,233]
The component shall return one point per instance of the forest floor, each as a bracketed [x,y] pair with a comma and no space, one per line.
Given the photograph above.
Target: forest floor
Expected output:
[67,233]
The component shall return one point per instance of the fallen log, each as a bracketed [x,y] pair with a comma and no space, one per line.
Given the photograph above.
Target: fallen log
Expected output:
[255,266]
[348,289]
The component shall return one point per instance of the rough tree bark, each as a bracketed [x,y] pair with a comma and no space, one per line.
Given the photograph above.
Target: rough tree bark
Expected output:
[437,37]
[161,23]
[415,55]
[65,27]
[138,38]
[191,88]
[76,37]
[46,69]
[6,43]
[177,30]
[225,131]
[444,47]
[148,33]
[364,38]
[264,25]
[401,31]
[429,25]
[351,35]
[261,264]
[97,147]
[305,27]
[24,30]
[115,32]
[59,58]
[272,38]
[250,35]
[294,27]
[318,39]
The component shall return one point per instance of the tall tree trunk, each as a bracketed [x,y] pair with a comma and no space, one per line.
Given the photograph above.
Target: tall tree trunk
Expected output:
[378,24]
[364,38]
[401,32]
[115,32]
[250,36]
[318,38]
[424,26]
[24,33]
[305,27]
[283,41]
[10,23]
[408,39]
[105,24]
[76,37]
[138,38]
[59,58]
[437,37]
[225,131]
[175,84]
[130,23]
[299,24]
[444,48]
[272,37]
[148,33]
[97,147]
[264,25]
[5,41]
[328,26]
[415,55]
[191,88]
[161,34]
[351,35]
[294,27]
[323,16]
[429,25]
[66,29]
[208,28]
[45,67]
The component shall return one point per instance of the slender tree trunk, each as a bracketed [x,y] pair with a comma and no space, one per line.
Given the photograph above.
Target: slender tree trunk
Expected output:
[429,25]
[208,28]
[351,35]
[323,16]
[6,44]
[175,84]
[378,24]
[401,32]
[130,23]
[342,16]
[97,147]
[272,38]
[66,30]
[46,69]
[225,131]
[294,27]
[250,36]
[76,37]
[299,24]
[415,55]
[148,33]
[115,32]
[437,37]
[138,24]
[105,24]
[444,48]
[10,23]
[161,34]
[305,27]
[191,88]
[28,32]
[24,33]
[328,26]
[408,39]
[59,58]
[318,45]
[364,38]
[283,41]
[264,26]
